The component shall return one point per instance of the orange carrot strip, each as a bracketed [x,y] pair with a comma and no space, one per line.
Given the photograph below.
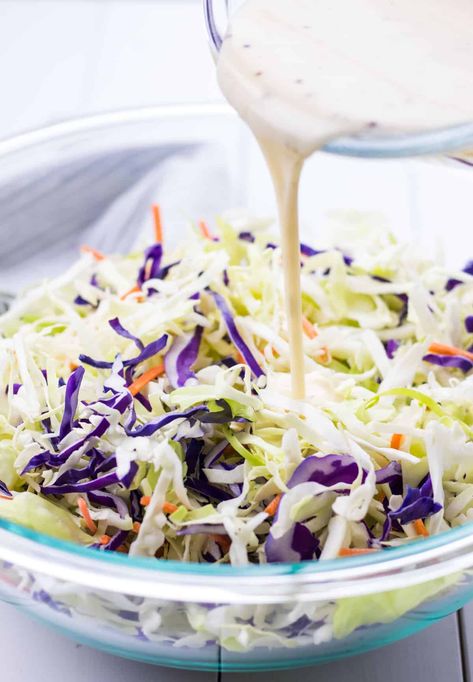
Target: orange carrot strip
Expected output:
[145,500]
[5,497]
[239,358]
[151,374]
[420,528]
[272,507]
[169,508]
[73,366]
[158,226]
[136,527]
[105,539]
[134,290]
[355,551]
[396,441]
[98,255]
[223,541]
[148,267]
[84,510]
[308,328]
[204,230]
[441,349]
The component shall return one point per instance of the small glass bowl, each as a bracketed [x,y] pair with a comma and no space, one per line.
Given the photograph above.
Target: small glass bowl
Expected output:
[369,144]
[57,184]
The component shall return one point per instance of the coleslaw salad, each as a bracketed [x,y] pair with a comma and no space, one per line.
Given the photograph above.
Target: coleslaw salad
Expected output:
[146,401]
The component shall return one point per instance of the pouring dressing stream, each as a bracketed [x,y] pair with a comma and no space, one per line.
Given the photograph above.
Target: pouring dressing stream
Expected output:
[301,73]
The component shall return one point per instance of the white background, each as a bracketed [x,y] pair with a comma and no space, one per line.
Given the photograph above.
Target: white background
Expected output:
[67,58]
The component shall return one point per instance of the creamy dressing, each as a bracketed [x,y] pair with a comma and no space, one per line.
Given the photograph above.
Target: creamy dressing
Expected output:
[302,72]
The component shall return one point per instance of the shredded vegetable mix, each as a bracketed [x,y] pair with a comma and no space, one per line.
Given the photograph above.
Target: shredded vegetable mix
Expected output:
[146,401]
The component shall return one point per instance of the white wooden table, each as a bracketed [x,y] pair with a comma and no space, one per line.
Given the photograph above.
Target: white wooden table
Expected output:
[30,651]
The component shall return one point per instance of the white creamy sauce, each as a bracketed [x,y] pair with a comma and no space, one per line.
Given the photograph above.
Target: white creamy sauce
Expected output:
[302,72]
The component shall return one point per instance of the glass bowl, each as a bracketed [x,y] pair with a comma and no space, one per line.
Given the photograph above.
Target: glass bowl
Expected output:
[93,180]
[366,145]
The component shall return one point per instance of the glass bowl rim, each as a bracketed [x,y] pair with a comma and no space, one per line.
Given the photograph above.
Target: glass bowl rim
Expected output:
[413,549]
[25,139]
[23,541]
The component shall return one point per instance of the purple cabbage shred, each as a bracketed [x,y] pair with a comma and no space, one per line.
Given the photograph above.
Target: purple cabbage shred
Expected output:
[452,283]
[455,361]
[151,266]
[326,470]
[4,491]
[181,357]
[93,485]
[391,347]
[235,335]
[298,544]
[71,401]
[121,331]
[392,475]
[469,268]
[416,505]
[154,425]
[115,542]
[148,352]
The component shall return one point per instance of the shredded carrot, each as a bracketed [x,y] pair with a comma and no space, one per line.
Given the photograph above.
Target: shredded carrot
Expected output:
[355,551]
[420,528]
[122,549]
[98,255]
[136,527]
[169,508]
[148,267]
[223,541]
[324,357]
[239,358]
[84,510]
[158,226]
[73,366]
[441,349]
[6,497]
[105,539]
[204,230]
[272,507]
[145,500]
[308,328]
[151,374]
[134,290]
[396,441]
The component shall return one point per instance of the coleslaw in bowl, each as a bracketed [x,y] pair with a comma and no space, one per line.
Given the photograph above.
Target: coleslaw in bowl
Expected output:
[146,410]
[146,405]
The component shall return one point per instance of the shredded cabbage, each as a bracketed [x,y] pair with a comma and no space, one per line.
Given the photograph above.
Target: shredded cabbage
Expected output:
[145,406]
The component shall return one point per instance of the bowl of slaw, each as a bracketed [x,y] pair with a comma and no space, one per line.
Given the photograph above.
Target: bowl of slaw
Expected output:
[105,171]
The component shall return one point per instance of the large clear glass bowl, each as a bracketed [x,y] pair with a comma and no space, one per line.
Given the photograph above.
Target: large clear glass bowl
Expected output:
[93,180]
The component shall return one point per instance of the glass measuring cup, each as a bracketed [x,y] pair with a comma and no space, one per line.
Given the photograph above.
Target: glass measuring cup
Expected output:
[369,145]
